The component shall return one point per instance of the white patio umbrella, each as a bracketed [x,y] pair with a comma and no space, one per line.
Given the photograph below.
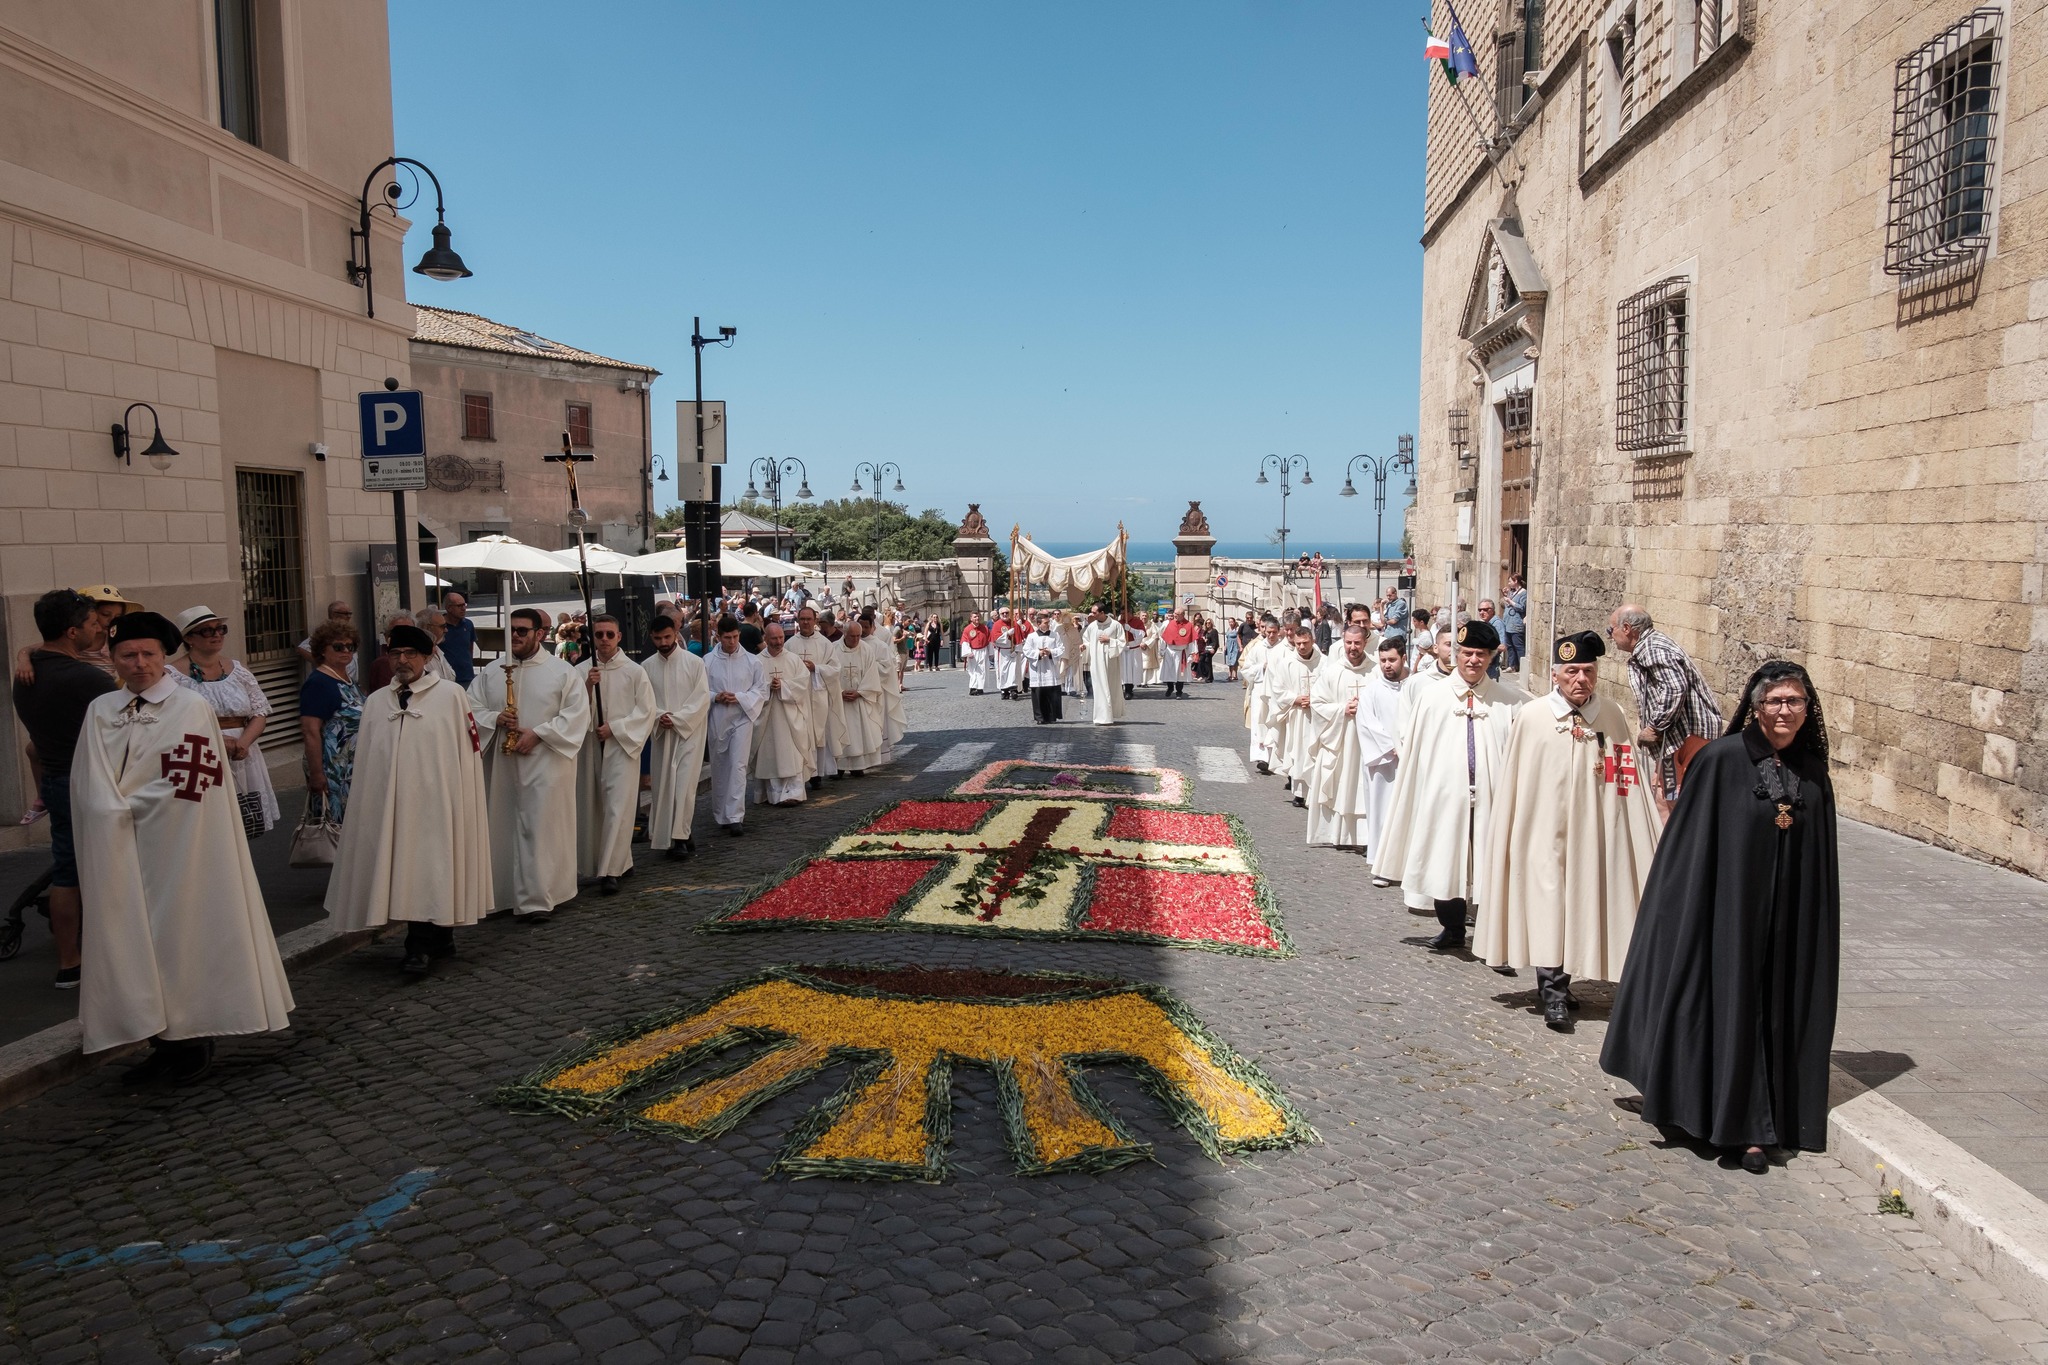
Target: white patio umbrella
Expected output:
[501,555]
[733,562]
[600,558]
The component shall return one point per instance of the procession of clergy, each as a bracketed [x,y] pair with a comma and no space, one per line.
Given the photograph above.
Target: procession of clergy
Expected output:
[1050,655]
[503,797]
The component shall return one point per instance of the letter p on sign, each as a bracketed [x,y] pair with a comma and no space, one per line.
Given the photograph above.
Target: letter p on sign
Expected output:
[391,423]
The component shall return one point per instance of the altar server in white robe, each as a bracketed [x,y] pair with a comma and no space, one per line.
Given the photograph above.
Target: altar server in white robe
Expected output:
[1252,663]
[608,773]
[1103,640]
[418,849]
[1290,677]
[1381,710]
[821,659]
[782,736]
[1438,826]
[739,690]
[531,742]
[178,946]
[682,705]
[975,645]
[1337,787]
[860,705]
[1044,660]
[1574,833]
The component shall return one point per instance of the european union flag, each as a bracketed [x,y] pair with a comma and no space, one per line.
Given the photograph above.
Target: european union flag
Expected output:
[1463,61]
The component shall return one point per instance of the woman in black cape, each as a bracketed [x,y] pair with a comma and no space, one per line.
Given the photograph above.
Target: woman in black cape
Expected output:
[1724,1016]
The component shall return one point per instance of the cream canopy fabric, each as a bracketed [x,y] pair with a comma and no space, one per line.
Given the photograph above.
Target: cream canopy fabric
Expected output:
[1075,574]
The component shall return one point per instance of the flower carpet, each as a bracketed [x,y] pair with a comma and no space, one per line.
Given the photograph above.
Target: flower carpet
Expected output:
[1081,864]
[699,1071]
[1025,777]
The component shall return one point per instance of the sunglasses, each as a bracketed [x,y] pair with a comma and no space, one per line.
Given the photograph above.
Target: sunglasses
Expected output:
[523,630]
[208,631]
[344,648]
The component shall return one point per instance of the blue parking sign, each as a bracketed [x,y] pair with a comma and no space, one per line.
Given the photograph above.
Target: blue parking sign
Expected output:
[392,423]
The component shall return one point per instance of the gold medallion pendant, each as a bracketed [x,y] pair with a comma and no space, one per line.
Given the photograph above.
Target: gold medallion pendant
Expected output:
[1784,816]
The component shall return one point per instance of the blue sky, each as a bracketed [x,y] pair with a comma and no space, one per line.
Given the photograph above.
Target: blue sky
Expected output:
[1078,262]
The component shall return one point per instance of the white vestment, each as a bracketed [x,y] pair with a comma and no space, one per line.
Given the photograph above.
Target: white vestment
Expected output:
[1251,675]
[1044,659]
[418,848]
[1009,667]
[1336,785]
[1434,842]
[1071,658]
[608,772]
[177,940]
[1379,740]
[680,694]
[532,796]
[979,661]
[1173,660]
[823,657]
[782,752]
[860,718]
[1104,643]
[1148,646]
[1289,677]
[732,727]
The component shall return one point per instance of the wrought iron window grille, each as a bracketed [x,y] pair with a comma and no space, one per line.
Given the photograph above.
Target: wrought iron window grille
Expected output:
[1944,139]
[1653,395]
[1461,435]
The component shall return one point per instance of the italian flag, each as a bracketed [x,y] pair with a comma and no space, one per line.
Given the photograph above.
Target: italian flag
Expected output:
[1436,49]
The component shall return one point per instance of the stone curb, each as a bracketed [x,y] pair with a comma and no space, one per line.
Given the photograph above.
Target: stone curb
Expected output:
[1997,1229]
[31,1065]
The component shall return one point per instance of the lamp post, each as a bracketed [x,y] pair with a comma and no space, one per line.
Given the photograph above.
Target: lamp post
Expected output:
[772,476]
[1402,458]
[876,471]
[1286,465]
[438,263]
[698,341]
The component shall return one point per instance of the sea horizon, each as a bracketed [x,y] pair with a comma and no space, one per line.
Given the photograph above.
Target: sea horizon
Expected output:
[1161,551]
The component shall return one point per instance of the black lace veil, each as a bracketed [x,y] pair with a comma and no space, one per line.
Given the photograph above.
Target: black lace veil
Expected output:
[1813,736]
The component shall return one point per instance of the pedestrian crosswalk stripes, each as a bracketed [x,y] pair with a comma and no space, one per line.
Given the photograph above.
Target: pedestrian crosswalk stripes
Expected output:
[1218,765]
[1051,752]
[1137,755]
[959,758]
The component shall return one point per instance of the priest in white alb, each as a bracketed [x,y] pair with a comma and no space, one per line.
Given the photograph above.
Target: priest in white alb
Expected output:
[858,730]
[608,773]
[1436,839]
[177,946]
[1290,673]
[1251,674]
[878,641]
[682,705]
[1102,639]
[821,660]
[1381,710]
[783,756]
[739,689]
[1574,829]
[1337,791]
[534,713]
[417,849]
[1006,635]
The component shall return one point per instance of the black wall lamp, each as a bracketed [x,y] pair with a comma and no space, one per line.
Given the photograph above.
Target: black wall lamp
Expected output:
[440,261]
[158,451]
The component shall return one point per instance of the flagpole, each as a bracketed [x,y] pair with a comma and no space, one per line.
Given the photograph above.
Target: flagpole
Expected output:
[1487,142]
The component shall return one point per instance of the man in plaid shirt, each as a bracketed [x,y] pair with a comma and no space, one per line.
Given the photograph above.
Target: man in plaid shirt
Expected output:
[1672,698]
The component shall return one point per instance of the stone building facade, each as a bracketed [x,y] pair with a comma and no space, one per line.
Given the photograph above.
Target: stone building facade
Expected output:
[178,181]
[1750,325]
[498,399]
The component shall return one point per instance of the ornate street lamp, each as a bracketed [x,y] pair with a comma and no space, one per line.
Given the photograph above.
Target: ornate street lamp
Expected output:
[440,261]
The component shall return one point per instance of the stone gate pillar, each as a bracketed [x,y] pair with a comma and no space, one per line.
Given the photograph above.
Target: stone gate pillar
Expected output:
[1194,578]
[975,551]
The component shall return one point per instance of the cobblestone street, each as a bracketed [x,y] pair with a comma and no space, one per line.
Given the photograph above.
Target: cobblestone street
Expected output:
[349,1191]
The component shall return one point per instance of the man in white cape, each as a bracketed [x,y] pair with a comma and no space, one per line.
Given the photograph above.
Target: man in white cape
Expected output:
[978,652]
[1356,708]
[1103,641]
[1290,673]
[682,705]
[608,772]
[821,659]
[177,945]
[1251,675]
[534,713]
[739,689]
[1575,827]
[418,848]
[859,702]
[783,755]
[1435,841]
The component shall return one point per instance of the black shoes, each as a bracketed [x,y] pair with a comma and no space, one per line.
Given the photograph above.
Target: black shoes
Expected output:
[1264,767]
[67,979]
[1755,1161]
[677,852]
[1556,1016]
[180,1063]
[1449,941]
[735,831]
[1301,801]
[816,783]
[608,886]
[416,963]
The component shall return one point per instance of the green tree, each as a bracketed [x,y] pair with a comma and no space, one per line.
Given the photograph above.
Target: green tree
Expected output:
[847,528]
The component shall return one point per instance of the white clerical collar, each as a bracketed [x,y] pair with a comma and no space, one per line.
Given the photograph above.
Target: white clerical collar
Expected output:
[159,692]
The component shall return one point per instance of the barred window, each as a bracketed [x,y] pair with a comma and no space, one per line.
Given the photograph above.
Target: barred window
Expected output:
[1460,433]
[476,417]
[1653,397]
[1944,134]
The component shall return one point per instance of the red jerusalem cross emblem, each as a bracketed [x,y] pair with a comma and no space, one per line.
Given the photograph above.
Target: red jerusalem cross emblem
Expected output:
[192,768]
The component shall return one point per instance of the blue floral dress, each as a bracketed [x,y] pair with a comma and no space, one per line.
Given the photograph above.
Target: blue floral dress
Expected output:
[338,706]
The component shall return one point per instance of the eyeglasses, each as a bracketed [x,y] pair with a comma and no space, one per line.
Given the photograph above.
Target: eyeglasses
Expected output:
[607,635]
[1782,704]
[343,647]
[209,631]
[523,630]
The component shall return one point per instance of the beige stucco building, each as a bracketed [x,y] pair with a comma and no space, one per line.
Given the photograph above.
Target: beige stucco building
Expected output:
[498,400]
[178,181]
[1751,326]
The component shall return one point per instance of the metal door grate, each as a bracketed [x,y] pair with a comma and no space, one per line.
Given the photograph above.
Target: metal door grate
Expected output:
[269,509]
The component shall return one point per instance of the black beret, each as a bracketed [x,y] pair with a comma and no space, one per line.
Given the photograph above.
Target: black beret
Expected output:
[1478,634]
[410,637]
[1582,648]
[144,625]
